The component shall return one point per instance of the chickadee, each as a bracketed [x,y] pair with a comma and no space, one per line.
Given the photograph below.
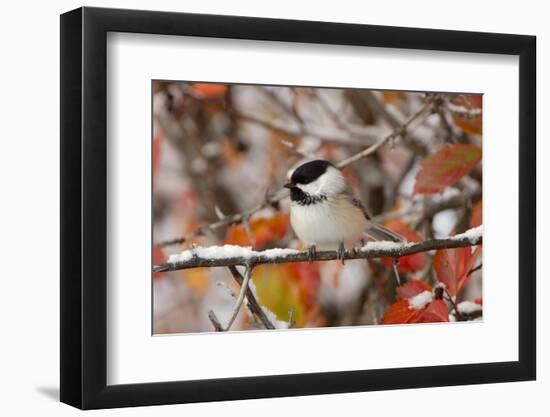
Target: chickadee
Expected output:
[325,213]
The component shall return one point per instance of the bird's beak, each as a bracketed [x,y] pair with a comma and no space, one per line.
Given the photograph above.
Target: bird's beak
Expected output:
[289,185]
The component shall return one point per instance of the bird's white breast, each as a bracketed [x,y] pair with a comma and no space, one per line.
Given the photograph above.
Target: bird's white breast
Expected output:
[328,223]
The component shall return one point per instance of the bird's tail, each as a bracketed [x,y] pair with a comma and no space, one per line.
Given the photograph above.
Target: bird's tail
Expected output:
[381,233]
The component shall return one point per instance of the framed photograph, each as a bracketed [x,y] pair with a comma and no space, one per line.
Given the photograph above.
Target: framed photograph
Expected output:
[258,208]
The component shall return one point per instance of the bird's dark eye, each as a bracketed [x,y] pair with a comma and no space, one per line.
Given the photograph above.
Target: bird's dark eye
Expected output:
[309,171]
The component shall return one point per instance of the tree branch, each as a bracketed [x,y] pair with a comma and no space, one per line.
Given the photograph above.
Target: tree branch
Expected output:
[283,193]
[228,255]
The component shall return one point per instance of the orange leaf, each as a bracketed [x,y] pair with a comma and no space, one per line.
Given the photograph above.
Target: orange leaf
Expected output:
[196,280]
[264,230]
[401,313]
[412,288]
[391,96]
[477,215]
[445,167]
[452,266]
[409,263]
[472,125]
[205,91]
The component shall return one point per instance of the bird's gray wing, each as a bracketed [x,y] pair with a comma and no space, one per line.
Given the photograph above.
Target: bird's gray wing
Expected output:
[374,231]
[348,192]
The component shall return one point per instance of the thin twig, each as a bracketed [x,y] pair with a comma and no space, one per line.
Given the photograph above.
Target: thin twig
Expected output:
[215,321]
[471,271]
[397,132]
[453,303]
[338,137]
[240,299]
[395,264]
[430,206]
[278,101]
[329,112]
[290,321]
[253,304]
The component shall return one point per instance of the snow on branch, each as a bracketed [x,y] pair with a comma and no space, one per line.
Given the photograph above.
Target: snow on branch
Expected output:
[230,255]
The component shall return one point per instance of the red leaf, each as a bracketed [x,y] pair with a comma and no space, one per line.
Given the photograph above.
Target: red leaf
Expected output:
[445,167]
[412,288]
[308,276]
[205,91]
[409,263]
[435,312]
[452,266]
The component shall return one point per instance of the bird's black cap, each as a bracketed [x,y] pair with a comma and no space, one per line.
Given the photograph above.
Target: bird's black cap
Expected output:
[309,171]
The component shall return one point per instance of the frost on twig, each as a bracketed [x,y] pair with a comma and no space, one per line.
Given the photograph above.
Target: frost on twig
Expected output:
[230,255]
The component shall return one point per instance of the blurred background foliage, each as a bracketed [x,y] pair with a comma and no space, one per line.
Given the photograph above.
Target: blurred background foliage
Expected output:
[221,149]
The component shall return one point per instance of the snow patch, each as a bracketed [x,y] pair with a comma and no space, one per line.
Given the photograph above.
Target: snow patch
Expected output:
[472,235]
[275,253]
[213,252]
[468,307]
[228,251]
[418,302]
[383,245]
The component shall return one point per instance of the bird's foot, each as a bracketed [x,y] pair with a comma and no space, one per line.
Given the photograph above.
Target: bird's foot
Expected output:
[311,253]
[341,252]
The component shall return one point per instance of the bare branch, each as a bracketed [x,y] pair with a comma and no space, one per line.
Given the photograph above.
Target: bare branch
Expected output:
[234,255]
[401,131]
[239,302]
[358,138]
[253,304]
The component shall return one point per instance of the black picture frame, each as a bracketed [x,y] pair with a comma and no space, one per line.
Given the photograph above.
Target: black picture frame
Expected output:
[84,207]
